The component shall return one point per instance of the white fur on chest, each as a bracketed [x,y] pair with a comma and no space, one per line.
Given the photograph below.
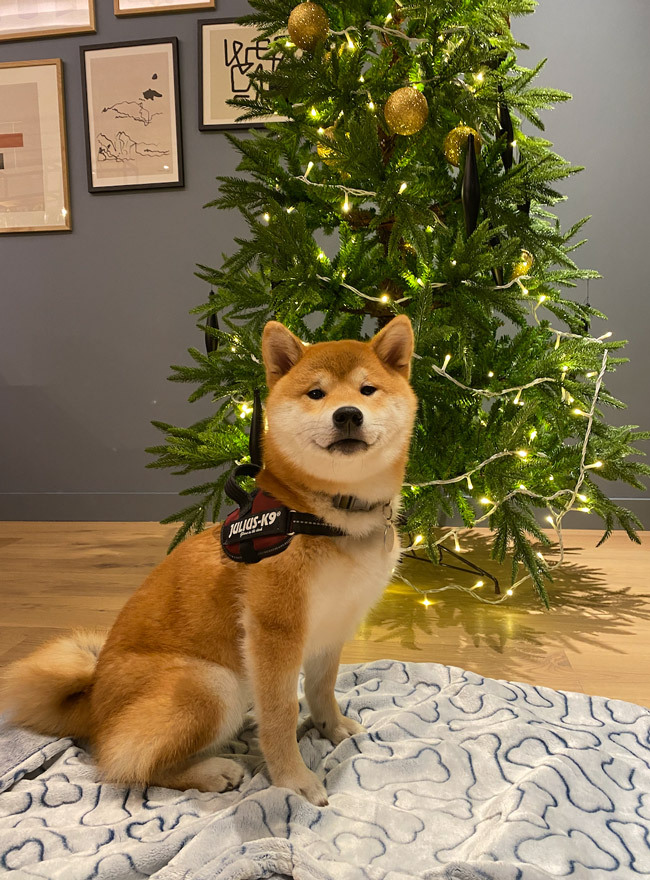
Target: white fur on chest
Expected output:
[345,587]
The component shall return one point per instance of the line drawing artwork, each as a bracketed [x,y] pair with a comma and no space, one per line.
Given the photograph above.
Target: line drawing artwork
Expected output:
[122,146]
[243,59]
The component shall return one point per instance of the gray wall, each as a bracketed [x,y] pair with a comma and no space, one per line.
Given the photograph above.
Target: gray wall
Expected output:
[91,320]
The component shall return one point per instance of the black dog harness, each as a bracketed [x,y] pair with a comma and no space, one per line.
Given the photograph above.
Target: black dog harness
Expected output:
[262,526]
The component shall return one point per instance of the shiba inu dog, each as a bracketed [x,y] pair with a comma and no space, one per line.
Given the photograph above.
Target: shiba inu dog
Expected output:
[205,637]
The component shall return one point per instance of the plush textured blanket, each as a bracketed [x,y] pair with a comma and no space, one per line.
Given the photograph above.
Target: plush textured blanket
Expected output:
[459,777]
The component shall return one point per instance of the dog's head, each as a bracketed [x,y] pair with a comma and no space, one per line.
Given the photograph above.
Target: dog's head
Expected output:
[340,411]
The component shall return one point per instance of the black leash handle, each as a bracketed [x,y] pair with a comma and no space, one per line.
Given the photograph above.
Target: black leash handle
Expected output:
[250,469]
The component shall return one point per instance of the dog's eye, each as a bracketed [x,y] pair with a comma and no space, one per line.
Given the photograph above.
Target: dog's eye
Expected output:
[368,390]
[316,393]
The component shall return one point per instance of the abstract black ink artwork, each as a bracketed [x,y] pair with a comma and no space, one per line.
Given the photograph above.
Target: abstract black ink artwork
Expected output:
[229,53]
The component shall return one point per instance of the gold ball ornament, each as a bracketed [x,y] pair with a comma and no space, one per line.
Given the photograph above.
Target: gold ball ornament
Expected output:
[456,141]
[406,111]
[308,25]
[523,265]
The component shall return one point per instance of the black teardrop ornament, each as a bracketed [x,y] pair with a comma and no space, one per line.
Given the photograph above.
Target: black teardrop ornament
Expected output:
[471,190]
[212,322]
[505,128]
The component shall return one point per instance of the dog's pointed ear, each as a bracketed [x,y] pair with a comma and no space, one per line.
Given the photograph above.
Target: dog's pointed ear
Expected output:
[394,345]
[281,350]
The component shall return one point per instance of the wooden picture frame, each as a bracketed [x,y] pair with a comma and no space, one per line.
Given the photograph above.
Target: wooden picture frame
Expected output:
[224,70]
[132,115]
[34,183]
[153,7]
[33,19]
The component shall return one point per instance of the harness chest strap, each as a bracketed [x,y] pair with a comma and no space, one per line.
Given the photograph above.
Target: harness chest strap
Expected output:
[264,527]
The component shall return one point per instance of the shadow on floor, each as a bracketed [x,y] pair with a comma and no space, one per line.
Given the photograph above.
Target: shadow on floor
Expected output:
[586,608]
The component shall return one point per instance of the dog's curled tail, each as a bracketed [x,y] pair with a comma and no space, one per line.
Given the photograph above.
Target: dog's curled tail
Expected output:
[48,691]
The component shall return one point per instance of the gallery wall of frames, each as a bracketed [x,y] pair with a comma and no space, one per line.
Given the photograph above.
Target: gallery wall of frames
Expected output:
[131,103]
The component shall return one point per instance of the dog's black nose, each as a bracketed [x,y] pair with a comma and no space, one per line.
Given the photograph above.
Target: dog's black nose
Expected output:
[347,416]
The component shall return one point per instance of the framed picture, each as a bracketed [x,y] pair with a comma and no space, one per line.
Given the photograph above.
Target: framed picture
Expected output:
[228,54]
[148,7]
[34,191]
[30,19]
[132,115]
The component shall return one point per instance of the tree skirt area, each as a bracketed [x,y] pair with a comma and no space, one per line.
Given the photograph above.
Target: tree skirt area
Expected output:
[458,777]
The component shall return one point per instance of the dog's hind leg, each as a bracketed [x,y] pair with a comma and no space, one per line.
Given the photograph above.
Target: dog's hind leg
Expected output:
[174,707]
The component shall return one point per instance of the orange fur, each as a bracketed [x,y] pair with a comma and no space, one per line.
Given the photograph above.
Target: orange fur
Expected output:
[204,637]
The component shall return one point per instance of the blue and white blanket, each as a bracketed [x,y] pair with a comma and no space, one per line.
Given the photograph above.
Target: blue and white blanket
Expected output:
[459,777]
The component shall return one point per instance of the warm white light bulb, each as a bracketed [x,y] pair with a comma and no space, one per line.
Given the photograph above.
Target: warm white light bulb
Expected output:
[509,592]
[371,105]
[522,453]
[267,217]
[490,374]
[485,501]
[446,361]
[418,540]
[533,434]
[402,188]
[309,167]
[314,111]
[346,204]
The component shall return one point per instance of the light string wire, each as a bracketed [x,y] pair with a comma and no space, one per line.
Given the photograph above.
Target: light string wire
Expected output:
[555,518]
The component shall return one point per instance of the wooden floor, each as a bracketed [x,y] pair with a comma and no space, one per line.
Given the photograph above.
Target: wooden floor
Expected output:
[596,638]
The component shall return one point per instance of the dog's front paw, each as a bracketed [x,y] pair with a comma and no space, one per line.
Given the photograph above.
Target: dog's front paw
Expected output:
[339,729]
[306,784]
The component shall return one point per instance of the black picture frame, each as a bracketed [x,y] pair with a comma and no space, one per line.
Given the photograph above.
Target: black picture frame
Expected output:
[220,126]
[179,180]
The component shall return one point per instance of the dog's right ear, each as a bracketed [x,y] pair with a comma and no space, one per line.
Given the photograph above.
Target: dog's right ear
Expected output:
[281,350]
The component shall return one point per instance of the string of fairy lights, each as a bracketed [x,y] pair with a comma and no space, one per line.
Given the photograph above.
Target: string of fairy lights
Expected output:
[554,517]
[558,503]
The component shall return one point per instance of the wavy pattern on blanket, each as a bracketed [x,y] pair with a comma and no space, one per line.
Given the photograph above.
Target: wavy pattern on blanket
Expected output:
[458,777]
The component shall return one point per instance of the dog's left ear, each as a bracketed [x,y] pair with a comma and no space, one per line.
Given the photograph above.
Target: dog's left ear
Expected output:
[394,345]
[281,350]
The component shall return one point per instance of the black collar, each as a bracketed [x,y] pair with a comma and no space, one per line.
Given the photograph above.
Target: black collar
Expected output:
[351,503]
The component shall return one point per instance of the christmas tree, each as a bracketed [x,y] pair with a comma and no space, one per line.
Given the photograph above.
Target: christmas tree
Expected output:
[398,179]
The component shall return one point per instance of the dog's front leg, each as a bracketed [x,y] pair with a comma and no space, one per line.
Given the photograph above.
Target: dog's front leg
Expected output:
[276,654]
[320,677]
